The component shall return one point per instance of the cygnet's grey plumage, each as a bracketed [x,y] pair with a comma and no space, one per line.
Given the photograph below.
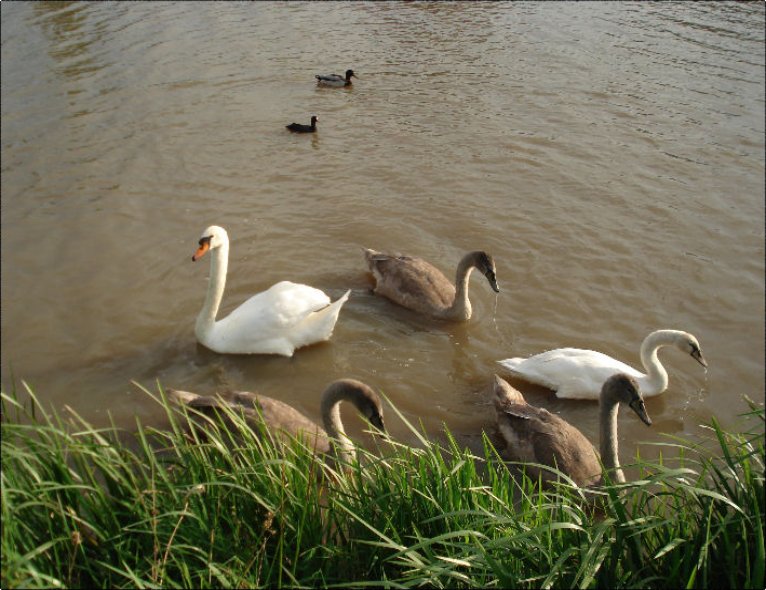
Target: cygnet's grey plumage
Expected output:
[418,285]
[534,435]
[282,419]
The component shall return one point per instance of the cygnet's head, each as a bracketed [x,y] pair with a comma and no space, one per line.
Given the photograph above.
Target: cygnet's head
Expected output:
[485,264]
[624,388]
[361,395]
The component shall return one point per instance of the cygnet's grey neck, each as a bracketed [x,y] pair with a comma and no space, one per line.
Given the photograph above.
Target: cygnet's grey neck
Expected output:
[608,409]
[461,307]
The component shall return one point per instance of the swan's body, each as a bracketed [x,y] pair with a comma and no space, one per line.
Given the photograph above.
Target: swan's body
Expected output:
[335,80]
[282,419]
[277,321]
[417,285]
[300,128]
[534,435]
[579,374]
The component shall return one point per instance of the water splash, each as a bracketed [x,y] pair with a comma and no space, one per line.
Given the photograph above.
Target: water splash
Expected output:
[503,339]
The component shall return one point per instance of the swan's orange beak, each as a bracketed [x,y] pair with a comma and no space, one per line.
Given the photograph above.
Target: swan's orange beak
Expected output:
[204,246]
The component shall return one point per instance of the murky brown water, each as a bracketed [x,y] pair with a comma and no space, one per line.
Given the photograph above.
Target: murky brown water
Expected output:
[610,157]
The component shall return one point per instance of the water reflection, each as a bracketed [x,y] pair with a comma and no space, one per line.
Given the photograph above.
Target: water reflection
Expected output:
[73,39]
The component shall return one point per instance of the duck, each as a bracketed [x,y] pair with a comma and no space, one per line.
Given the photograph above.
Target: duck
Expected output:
[419,286]
[284,420]
[535,436]
[335,80]
[276,321]
[575,373]
[300,128]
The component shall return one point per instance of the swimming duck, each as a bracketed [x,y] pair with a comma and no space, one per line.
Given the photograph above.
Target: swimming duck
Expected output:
[300,128]
[335,80]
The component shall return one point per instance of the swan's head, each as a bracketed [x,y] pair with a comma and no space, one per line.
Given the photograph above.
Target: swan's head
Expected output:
[371,408]
[213,237]
[689,344]
[359,394]
[485,264]
[624,388]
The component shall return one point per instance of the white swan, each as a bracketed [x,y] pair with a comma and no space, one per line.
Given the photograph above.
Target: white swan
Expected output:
[277,321]
[282,418]
[533,435]
[579,374]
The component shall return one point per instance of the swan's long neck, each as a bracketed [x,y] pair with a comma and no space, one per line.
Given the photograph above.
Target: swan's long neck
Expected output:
[219,262]
[461,307]
[608,438]
[656,376]
[333,424]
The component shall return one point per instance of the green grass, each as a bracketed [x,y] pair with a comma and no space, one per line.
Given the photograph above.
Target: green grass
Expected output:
[80,508]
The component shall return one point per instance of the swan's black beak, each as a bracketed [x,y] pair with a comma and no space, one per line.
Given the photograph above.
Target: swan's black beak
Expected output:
[377,421]
[637,405]
[697,356]
[490,274]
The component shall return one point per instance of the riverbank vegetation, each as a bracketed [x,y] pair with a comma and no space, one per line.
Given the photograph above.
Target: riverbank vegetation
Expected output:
[225,508]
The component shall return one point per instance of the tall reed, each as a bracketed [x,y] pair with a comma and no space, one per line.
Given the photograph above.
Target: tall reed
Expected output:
[232,507]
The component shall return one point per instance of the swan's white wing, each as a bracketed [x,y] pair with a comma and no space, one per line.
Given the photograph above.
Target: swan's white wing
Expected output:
[571,372]
[267,321]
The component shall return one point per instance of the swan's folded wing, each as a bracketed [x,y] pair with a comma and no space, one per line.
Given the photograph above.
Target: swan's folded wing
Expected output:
[271,322]
[412,282]
[570,372]
[521,425]
[280,307]
[534,435]
[280,416]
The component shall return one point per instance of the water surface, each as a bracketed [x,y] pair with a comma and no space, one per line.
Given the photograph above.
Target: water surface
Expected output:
[610,156]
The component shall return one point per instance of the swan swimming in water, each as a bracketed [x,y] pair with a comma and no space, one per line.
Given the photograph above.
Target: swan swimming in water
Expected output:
[418,285]
[284,419]
[277,321]
[534,435]
[579,374]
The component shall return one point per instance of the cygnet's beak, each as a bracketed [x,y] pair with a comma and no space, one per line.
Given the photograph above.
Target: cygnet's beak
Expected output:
[637,405]
[377,421]
[492,280]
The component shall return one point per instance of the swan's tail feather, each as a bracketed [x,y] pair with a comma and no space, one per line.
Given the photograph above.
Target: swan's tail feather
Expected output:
[512,365]
[504,394]
[181,397]
[320,324]
[370,254]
